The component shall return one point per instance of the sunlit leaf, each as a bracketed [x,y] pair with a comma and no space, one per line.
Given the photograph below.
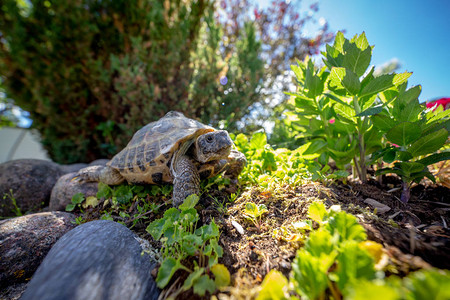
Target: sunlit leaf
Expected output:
[272,286]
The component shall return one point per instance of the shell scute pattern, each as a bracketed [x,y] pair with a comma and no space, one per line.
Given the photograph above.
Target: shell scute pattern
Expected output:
[147,156]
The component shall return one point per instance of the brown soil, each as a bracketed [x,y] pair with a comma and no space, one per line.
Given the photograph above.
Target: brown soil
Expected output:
[415,235]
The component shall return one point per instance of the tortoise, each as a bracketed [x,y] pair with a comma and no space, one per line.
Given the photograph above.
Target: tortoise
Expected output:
[174,149]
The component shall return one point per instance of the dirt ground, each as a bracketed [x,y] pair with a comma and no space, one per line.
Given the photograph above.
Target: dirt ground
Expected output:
[415,235]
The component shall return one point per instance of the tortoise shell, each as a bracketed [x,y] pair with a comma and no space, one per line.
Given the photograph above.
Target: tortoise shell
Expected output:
[147,157]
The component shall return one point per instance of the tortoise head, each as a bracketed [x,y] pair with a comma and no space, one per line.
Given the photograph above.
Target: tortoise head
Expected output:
[213,145]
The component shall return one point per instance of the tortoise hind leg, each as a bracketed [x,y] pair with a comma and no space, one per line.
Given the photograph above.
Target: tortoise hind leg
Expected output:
[103,174]
[186,180]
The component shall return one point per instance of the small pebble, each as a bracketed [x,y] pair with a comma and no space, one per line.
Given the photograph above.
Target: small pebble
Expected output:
[238,227]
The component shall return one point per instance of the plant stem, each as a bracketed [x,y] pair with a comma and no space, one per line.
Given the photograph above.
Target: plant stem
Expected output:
[406,192]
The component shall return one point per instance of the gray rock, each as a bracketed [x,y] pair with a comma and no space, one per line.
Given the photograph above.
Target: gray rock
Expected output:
[97,260]
[31,182]
[13,292]
[65,188]
[24,242]
[76,167]
[99,162]
[73,168]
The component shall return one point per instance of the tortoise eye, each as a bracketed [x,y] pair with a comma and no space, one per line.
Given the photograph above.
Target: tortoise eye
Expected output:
[209,139]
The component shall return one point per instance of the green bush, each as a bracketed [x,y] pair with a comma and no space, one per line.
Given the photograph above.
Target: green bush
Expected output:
[92,72]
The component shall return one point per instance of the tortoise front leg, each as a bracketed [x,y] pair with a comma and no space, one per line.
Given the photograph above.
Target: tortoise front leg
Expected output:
[236,162]
[186,180]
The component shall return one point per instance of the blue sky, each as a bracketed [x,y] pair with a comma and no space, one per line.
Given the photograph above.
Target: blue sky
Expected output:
[417,33]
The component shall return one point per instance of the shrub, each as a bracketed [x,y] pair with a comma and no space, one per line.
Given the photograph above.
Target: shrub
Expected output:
[92,72]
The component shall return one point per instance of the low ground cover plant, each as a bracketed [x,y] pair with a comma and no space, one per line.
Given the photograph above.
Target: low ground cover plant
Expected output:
[181,239]
[338,262]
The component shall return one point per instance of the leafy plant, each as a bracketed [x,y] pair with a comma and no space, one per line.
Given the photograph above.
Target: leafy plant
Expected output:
[338,261]
[334,104]
[16,210]
[415,135]
[267,167]
[253,213]
[181,239]
[76,200]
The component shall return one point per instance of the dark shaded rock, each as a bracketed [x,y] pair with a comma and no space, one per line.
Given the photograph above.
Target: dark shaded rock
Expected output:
[99,162]
[31,182]
[76,167]
[65,188]
[73,168]
[97,260]
[13,292]
[24,242]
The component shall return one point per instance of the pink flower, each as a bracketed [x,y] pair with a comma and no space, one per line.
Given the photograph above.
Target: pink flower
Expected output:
[257,14]
[445,102]
[332,121]
[395,145]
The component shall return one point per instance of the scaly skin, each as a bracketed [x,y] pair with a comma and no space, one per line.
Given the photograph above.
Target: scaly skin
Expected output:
[103,174]
[186,180]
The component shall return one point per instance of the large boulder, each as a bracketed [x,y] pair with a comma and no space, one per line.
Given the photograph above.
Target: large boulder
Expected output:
[97,260]
[24,242]
[26,185]
[66,187]
[76,167]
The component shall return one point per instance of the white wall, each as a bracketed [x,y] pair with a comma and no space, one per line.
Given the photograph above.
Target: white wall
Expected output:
[26,141]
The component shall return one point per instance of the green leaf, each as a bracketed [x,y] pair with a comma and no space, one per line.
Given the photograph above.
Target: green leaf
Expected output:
[70,207]
[355,59]
[320,242]
[123,194]
[410,112]
[428,284]
[258,140]
[272,286]
[317,212]
[383,123]
[168,267]
[313,82]
[383,82]
[192,278]
[372,290]
[401,78]
[203,284]
[104,191]
[156,228]
[309,275]
[410,167]
[429,143]
[314,146]
[339,41]
[434,158]
[389,156]
[341,77]
[371,111]
[353,264]
[221,275]
[345,112]
[347,227]
[189,202]
[361,41]
[208,231]
[191,243]
[404,133]
[78,198]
